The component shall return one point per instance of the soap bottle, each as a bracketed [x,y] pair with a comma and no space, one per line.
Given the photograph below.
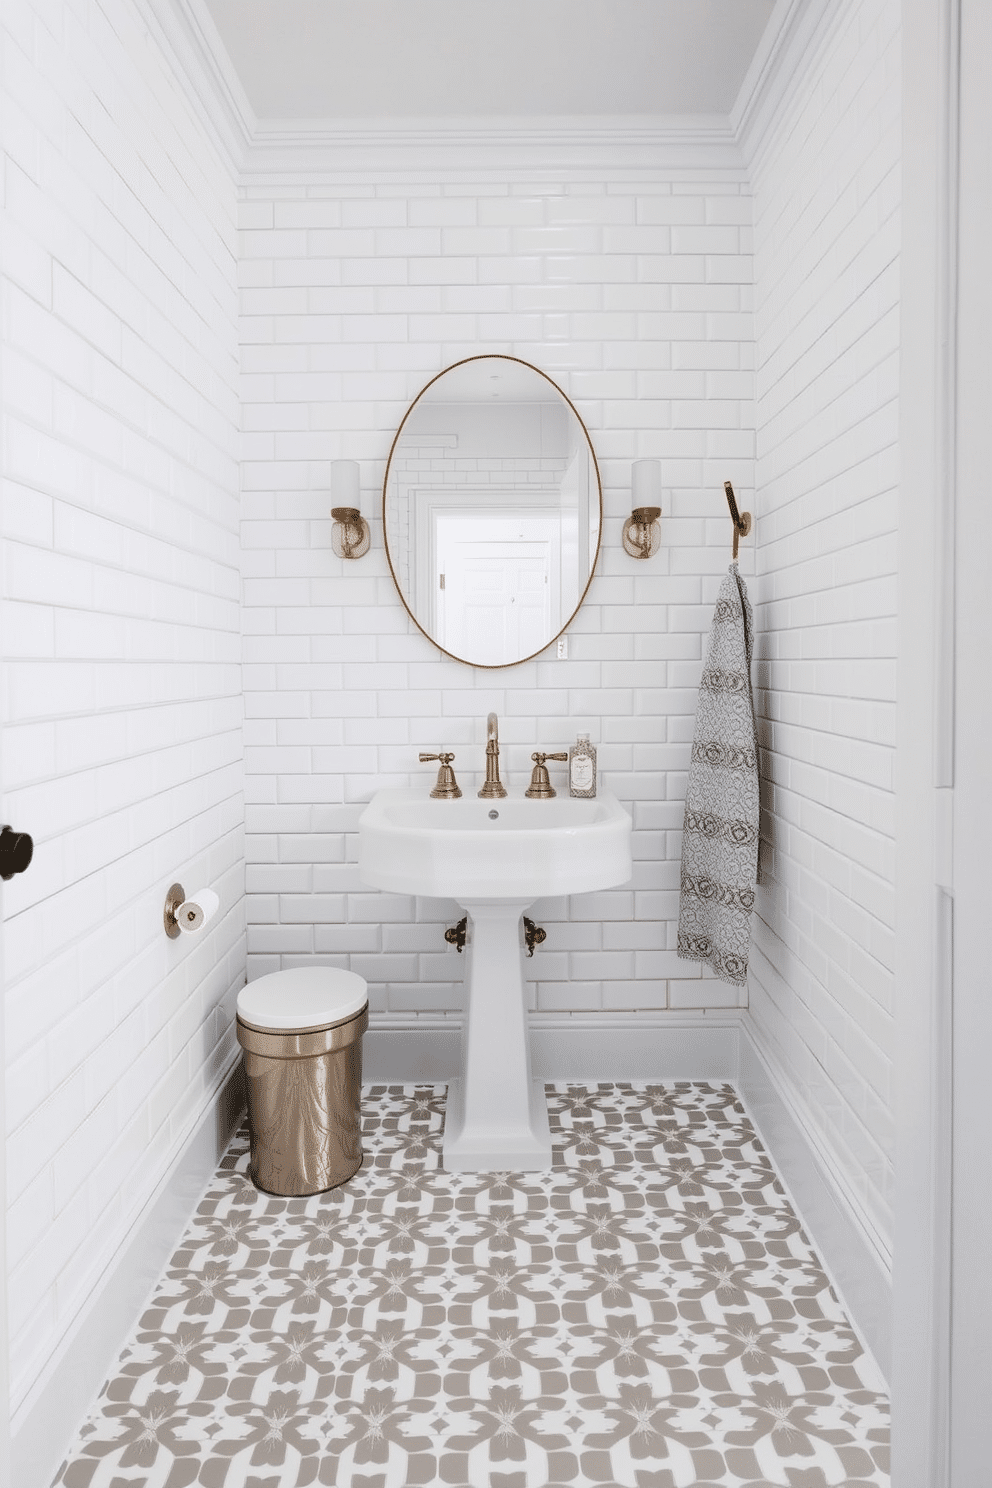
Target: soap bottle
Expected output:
[582,767]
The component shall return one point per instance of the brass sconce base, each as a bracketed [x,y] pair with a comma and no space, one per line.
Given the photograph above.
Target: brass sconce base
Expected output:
[642,532]
[350,536]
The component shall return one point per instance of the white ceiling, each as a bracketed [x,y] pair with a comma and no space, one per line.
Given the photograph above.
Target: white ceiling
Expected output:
[437,59]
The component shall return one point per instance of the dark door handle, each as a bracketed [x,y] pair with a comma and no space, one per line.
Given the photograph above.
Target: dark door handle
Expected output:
[16,849]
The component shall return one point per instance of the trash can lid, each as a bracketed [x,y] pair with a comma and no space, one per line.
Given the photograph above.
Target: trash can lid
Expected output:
[304,997]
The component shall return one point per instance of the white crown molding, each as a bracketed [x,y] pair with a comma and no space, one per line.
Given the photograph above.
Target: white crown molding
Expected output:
[796,32]
[302,151]
[452,127]
[191,44]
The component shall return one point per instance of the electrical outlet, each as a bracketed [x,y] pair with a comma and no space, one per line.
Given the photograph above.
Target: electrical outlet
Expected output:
[563,648]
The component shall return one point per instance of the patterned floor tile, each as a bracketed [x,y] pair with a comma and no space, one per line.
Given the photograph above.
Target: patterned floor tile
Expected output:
[646,1314]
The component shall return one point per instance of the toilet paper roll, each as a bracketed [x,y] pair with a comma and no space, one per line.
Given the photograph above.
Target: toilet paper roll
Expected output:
[197,910]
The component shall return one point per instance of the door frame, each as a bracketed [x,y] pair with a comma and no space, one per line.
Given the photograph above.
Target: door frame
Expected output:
[942,1313]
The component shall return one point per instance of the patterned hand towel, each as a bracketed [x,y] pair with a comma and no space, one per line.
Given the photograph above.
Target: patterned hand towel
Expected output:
[720,837]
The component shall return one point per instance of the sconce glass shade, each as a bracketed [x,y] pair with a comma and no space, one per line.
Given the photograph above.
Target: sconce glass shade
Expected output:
[350,536]
[642,532]
[645,483]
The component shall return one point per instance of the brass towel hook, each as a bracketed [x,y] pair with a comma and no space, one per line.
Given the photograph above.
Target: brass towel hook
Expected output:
[741,520]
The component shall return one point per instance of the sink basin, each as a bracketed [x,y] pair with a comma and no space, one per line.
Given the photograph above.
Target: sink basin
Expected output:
[507,849]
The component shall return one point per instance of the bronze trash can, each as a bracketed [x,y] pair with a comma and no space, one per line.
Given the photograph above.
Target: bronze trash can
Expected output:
[301,1032]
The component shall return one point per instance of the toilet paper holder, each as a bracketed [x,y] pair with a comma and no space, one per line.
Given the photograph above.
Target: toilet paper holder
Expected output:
[187,916]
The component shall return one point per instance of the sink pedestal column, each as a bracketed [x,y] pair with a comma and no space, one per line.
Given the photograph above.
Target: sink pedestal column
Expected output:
[497,1117]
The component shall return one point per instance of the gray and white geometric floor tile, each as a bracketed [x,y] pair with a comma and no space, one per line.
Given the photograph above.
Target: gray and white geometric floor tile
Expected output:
[647,1314]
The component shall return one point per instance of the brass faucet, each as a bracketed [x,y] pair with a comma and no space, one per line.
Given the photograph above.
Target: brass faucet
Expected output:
[492,790]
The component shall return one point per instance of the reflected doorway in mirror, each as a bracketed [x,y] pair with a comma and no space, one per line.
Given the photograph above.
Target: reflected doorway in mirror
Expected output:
[499,584]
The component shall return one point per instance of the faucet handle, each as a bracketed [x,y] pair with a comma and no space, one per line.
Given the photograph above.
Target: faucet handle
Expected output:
[540,788]
[447,787]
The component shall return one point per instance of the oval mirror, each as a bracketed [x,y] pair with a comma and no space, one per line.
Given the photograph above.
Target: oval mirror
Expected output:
[492,509]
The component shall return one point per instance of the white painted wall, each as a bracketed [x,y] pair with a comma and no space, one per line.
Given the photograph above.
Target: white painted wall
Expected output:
[826,180]
[633,293]
[121,745]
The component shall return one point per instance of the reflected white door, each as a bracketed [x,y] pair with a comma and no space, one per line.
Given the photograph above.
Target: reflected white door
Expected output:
[498,587]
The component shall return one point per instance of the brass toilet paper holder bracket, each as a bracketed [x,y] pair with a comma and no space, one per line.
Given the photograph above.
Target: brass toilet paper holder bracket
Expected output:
[173,900]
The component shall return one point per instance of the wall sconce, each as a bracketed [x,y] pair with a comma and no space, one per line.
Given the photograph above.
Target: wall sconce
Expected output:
[350,537]
[641,531]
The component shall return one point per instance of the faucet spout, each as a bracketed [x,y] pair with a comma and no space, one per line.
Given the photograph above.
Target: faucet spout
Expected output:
[493,789]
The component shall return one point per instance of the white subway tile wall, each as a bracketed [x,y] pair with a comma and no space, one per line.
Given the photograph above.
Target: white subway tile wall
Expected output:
[122,706]
[636,299]
[827,194]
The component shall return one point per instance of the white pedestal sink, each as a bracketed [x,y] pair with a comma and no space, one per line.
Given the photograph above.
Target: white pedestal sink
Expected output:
[494,858]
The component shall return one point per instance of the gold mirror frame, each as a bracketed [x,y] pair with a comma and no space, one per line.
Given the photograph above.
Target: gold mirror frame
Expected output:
[481,357]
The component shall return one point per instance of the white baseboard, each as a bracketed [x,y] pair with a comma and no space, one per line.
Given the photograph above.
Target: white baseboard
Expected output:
[832,1217]
[567,1046]
[638,1046]
[424,1051]
[47,1423]
[582,1047]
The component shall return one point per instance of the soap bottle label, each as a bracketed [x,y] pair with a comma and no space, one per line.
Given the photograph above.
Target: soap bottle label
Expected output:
[582,772]
[582,768]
